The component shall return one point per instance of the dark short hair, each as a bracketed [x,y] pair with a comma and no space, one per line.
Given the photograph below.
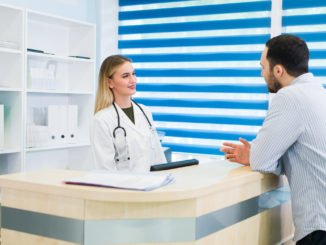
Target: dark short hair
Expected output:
[290,51]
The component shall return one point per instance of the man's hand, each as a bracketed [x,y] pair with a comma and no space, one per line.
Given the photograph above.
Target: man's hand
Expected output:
[237,153]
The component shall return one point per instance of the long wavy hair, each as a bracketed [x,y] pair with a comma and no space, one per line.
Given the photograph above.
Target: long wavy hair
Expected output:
[104,95]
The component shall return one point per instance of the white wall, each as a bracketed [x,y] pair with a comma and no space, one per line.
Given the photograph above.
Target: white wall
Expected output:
[83,10]
[108,27]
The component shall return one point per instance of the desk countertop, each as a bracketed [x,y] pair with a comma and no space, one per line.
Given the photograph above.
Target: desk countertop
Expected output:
[190,182]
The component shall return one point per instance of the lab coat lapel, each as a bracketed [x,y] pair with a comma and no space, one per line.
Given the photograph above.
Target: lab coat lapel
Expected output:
[138,121]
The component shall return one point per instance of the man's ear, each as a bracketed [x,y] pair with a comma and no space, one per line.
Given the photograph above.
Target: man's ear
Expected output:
[278,71]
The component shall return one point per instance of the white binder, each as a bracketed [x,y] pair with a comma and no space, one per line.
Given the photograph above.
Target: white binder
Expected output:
[53,118]
[2,127]
[72,124]
[63,124]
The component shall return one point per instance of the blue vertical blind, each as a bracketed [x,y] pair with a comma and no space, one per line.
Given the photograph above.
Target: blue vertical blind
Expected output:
[307,19]
[197,64]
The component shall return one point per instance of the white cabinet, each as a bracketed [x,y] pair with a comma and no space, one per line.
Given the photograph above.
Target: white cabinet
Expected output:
[45,61]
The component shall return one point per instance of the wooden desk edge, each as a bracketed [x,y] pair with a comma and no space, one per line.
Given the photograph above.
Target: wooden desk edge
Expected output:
[164,194]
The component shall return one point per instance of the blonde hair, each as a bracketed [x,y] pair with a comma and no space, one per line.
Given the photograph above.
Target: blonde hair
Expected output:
[104,95]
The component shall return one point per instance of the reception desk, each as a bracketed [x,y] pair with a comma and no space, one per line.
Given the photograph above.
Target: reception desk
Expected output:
[211,203]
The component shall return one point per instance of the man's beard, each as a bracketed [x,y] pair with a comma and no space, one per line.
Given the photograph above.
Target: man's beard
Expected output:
[273,84]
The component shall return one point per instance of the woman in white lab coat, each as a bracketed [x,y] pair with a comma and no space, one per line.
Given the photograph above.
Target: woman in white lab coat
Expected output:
[123,136]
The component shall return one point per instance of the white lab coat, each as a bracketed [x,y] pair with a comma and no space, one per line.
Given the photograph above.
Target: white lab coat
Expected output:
[143,153]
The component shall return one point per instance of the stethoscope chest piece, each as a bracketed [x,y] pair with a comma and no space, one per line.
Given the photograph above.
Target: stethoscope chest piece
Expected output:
[122,156]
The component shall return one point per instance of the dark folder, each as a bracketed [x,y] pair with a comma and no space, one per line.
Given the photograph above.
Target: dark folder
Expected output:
[171,165]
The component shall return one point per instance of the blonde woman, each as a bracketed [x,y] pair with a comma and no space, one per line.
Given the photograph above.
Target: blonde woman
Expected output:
[123,136]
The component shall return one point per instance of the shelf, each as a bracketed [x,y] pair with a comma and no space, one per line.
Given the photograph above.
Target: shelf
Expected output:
[10,50]
[31,81]
[9,151]
[58,57]
[58,92]
[53,73]
[60,36]
[53,19]
[58,147]
[5,89]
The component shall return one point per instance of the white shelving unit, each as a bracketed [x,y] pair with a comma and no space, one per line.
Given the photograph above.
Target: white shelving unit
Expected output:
[11,87]
[45,60]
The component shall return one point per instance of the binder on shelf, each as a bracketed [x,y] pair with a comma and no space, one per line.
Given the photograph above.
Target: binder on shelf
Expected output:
[72,124]
[62,123]
[2,127]
[37,136]
[53,118]
[37,130]
[39,116]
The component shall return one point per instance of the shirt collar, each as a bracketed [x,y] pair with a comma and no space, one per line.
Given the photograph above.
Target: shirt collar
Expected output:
[304,78]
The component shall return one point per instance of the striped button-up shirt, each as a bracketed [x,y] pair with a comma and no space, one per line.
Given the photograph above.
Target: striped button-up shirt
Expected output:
[292,141]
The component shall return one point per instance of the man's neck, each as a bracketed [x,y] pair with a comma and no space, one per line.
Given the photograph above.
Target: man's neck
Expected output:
[287,80]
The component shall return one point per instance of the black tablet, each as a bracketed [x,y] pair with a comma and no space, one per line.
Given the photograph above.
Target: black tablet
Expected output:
[171,165]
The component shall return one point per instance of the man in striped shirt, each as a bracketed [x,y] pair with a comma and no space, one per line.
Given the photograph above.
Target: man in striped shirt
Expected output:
[292,140]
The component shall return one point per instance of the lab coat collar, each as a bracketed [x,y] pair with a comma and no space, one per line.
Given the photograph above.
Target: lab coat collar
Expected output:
[140,120]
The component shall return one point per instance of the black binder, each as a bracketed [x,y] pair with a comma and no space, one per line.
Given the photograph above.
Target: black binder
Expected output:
[171,165]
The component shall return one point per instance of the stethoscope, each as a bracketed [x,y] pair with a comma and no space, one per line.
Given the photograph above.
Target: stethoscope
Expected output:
[120,137]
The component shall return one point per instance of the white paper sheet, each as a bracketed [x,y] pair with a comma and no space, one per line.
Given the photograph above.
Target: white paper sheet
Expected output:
[124,180]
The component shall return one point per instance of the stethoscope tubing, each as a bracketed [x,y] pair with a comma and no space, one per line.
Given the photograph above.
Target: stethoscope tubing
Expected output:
[118,116]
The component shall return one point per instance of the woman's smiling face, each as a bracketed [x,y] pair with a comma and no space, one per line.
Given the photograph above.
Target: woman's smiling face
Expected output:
[123,81]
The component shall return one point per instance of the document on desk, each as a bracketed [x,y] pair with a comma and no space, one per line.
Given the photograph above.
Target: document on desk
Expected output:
[124,180]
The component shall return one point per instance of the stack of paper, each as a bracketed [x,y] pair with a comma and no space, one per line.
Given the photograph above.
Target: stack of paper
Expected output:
[43,75]
[124,180]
